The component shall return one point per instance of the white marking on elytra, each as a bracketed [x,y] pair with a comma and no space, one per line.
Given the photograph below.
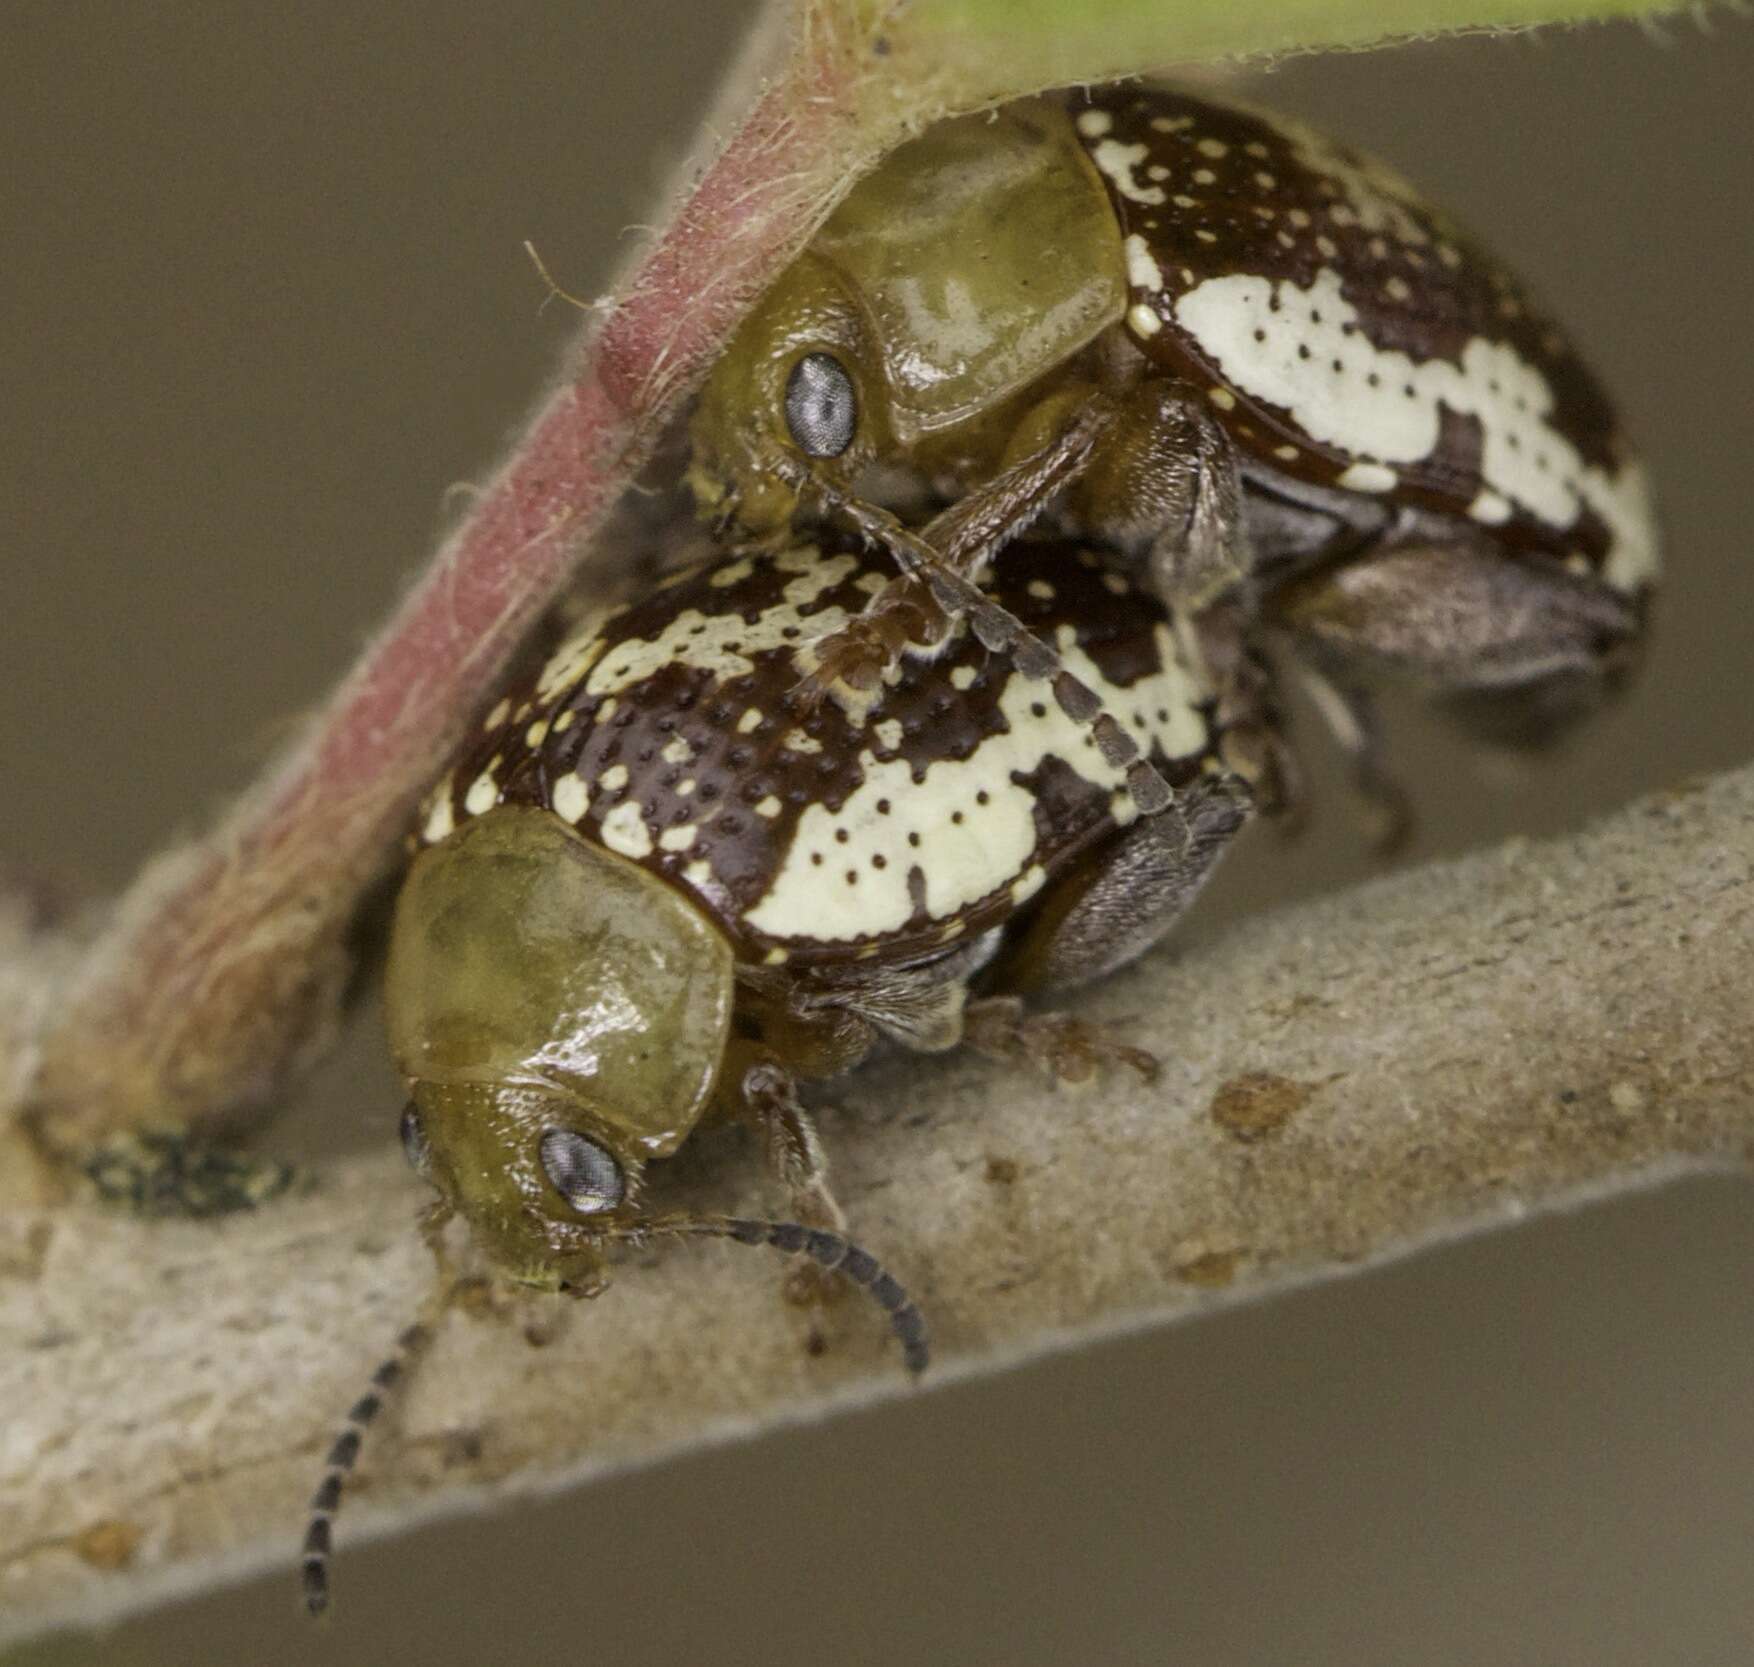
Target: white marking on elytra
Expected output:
[676,751]
[497,716]
[716,643]
[570,797]
[974,823]
[730,574]
[624,831]
[795,740]
[750,721]
[1214,148]
[570,661]
[1381,406]
[1143,272]
[1118,161]
[769,806]
[678,838]
[1492,508]
[1094,123]
[483,793]
[888,734]
[440,818]
[1142,320]
[1379,198]
[1369,477]
[962,677]
[613,779]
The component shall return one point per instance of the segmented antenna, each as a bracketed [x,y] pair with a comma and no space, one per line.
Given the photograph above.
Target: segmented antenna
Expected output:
[326,1501]
[832,1251]
[829,1250]
[999,631]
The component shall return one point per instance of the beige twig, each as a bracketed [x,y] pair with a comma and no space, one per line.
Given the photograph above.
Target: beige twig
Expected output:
[1437,1053]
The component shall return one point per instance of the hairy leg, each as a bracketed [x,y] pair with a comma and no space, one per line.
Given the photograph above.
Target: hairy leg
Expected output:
[1516,649]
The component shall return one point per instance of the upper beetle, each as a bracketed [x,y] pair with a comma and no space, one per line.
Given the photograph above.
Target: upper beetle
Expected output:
[1248,359]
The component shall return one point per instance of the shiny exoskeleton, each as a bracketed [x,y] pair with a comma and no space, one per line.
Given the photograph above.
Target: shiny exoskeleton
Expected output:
[1253,363]
[669,882]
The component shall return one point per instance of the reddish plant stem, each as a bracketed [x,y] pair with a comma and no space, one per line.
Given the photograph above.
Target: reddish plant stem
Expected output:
[223,962]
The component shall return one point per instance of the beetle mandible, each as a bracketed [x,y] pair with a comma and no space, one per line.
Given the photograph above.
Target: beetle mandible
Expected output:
[663,886]
[1252,362]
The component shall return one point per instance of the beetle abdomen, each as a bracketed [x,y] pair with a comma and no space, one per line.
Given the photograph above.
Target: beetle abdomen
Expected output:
[677,734]
[1348,334]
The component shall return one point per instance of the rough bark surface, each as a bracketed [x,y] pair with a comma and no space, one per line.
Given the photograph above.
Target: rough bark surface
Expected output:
[1442,1051]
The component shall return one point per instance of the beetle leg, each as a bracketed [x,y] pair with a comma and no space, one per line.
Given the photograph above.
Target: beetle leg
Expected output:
[1127,895]
[1122,901]
[769,1094]
[1250,729]
[1350,714]
[1515,648]
[1164,489]
[1059,1045]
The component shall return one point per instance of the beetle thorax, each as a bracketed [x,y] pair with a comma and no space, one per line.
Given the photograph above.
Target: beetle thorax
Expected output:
[560,1015]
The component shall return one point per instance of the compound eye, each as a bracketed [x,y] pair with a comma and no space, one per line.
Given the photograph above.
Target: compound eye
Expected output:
[585,1175]
[820,407]
[414,1143]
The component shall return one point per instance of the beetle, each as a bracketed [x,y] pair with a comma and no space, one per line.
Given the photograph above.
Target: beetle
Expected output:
[666,885]
[1252,362]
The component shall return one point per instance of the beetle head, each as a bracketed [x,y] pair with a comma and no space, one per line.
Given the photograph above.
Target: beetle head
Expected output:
[795,398]
[560,1014]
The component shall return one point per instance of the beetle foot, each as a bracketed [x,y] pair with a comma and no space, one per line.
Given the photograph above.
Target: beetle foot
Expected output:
[1068,1049]
[858,655]
[166,1173]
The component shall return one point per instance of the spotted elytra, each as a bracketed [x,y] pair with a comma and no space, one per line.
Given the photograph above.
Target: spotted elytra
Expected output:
[1253,363]
[671,880]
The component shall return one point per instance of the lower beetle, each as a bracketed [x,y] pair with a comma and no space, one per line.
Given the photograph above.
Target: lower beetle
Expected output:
[667,883]
[1250,360]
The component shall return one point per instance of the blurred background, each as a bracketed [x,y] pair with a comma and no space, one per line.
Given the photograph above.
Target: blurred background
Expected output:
[264,302]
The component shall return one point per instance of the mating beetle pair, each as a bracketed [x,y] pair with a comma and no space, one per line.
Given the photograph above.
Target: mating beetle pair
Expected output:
[796,802]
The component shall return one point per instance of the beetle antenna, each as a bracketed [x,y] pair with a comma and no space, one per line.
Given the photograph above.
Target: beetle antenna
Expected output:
[326,1501]
[1001,632]
[828,1250]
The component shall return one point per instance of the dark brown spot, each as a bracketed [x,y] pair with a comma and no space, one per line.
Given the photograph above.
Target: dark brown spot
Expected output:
[109,1544]
[1002,1172]
[1258,1104]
